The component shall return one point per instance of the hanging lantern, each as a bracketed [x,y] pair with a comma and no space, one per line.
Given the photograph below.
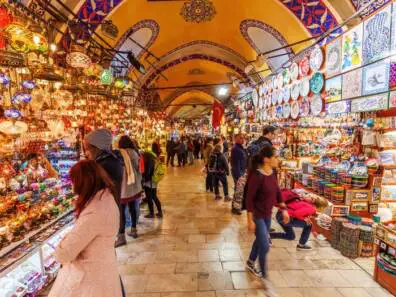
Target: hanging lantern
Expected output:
[20,37]
[39,43]
[120,83]
[93,70]
[28,84]
[77,58]
[107,77]
[21,98]
[4,79]
[12,113]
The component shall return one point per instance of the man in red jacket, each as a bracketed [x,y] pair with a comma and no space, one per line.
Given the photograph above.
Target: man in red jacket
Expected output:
[300,211]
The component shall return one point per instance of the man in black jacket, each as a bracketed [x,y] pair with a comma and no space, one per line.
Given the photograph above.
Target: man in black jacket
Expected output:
[97,146]
[218,167]
[238,158]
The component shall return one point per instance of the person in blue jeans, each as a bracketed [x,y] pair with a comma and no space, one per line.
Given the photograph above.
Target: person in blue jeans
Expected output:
[262,194]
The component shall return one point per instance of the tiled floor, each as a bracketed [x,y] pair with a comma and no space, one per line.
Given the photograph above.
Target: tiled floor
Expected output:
[199,250]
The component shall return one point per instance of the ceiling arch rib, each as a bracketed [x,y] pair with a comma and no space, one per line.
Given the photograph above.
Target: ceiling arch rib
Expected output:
[144,32]
[190,103]
[263,38]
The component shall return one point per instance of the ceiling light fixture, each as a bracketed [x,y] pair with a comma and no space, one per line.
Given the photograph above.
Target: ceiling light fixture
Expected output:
[222,91]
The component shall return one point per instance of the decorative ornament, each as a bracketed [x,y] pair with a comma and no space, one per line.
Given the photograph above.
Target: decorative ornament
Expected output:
[20,37]
[12,113]
[370,123]
[120,83]
[107,77]
[13,127]
[28,84]
[93,70]
[21,98]
[198,11]
[4,79]
[78,59]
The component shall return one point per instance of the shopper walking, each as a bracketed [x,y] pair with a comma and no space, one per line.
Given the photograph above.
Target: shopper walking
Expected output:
[226,148]
[181,153]
[97,146]
[262,194]
[197,147]
[131,189]
[89,263]
[238,158]
[150,184]
[266,139]
[170,152]
[190,152]
[209,176]
[156,147]
[219,168]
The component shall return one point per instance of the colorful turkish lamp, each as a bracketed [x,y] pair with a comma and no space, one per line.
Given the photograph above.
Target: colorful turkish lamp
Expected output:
[28,84]
[39,43]
[106,77]
[4,79]
[93,70]
[120,83]
[21,98]
[12,113]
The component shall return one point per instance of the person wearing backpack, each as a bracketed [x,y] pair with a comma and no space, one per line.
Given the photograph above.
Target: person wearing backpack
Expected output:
[266,140]
[300,210]
[153,173]
[219,168]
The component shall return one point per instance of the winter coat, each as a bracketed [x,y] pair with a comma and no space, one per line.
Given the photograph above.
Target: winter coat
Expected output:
[129,191]
[222,163]
[149,166]
[89,262]
[112,163]
[208,150]
[238,161]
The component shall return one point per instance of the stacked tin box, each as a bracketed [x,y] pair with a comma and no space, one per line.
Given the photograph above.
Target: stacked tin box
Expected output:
[336,226]
[367,241]
[349,240]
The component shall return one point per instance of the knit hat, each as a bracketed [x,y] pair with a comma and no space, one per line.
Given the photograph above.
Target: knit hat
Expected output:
[100,138]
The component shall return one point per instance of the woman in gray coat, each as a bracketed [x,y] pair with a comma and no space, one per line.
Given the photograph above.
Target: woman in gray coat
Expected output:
[131,189]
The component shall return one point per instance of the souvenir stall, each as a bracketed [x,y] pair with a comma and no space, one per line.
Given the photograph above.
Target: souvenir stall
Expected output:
[335,107]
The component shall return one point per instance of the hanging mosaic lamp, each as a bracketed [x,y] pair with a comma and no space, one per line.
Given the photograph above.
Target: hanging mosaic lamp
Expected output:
[93,70]
[77,58]
[4,79]
[21,98]
[107,77]
[39,43]
[121,83]
[12,113]
[28,84]
[20,37]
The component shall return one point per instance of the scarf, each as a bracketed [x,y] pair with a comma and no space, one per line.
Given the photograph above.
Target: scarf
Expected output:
[128,167]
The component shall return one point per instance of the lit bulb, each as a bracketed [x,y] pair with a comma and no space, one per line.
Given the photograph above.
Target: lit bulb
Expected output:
[57,85]
[36,39]
[53,47]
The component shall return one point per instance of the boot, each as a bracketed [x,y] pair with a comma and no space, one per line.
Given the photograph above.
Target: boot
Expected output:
[160,215]
[121,240]
[149,216]
[133,233]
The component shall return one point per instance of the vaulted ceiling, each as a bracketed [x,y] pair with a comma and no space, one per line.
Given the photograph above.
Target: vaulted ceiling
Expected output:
[186,54]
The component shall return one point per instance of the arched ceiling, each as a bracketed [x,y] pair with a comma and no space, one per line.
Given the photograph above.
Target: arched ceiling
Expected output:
[188,53]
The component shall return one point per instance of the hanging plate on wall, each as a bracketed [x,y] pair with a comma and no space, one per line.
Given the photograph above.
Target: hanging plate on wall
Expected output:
[295,110]
[279,81]
[304,89]
[286,76]
[294,71]
[304,108]
[286,94]
[304,66]
[286,110]
[255,97]
[317,82]
[316,59]
[316,105]
[295,90]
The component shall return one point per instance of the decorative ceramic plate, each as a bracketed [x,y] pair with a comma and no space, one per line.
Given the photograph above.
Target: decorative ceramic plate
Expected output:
[279,111]
[280,96]
[286,94]
[269,86]
[304,66]
[261,102]
[261,90]
[255,97]
[13,127]
[317,82]
[274,97]
[316,105]
[294,71]
[265,115]
[279,81]
[274,83]
[295,110]
[273,115]
[316,58]
[295,90]
[304,87]
[286,76]
[286,110]
[304,107]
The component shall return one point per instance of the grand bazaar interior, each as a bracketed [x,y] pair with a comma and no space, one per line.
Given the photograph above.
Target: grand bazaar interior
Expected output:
[174,76]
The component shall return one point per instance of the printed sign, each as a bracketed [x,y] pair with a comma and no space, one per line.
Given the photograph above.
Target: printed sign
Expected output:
[371,103]
[338,107]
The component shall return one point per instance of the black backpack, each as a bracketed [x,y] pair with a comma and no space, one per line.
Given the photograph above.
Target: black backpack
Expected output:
[214,165]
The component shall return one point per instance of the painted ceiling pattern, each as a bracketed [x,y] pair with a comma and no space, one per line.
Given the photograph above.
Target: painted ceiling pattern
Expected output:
[373,7]
[198,11]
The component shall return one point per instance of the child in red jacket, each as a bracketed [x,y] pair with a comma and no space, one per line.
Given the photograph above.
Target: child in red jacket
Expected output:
[300,211]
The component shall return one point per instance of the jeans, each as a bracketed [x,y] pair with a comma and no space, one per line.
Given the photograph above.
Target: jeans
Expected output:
[151,194]
[132,206]
[289,232]
[260,246]
[220,178]
[171,159]
[209,180]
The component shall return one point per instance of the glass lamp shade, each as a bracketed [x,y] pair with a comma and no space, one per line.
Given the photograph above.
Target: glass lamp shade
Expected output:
[78,60]
[107,77]
[12,113]
[4,79]
[21,98]
[120,83]
[93,70]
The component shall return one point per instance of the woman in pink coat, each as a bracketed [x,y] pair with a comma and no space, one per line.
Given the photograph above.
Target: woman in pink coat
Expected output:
[87,255]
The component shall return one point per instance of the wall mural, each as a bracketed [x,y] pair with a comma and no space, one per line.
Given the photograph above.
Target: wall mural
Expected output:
[198,11]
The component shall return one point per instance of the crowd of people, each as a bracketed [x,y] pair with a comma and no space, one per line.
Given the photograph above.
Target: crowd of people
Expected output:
[112,181]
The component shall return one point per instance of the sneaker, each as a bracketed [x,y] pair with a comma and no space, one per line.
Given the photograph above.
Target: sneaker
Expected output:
[218,197]
[227,198]
[160,215]
[121,240]
[149,216]
[304,247]
[236,211]
[253,269]
[133,233]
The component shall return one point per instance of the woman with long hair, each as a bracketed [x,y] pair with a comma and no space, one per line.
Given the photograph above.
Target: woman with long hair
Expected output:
[87,255]
[131,188]
[262,194]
